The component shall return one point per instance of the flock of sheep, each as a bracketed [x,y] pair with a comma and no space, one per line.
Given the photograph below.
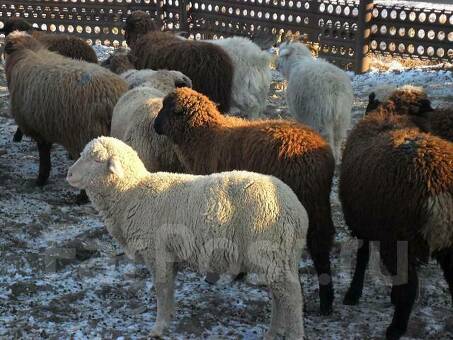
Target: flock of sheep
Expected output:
[181,181]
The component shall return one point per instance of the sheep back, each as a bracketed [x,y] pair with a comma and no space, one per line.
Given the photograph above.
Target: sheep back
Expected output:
[208,66]
[80,107]
[395,179]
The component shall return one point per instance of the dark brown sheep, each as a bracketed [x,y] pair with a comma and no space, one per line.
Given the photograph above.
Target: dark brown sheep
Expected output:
[207,141]
[119,62]
[396,187]
[79,107]
[209,66]
[68,46]
[137,24]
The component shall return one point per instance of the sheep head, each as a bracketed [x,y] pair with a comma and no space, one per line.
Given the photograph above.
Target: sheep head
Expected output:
[16,24]
[119,62]
[410,100]
[18,40]
[289,53]
[105,161]
[137,24]
[183,111]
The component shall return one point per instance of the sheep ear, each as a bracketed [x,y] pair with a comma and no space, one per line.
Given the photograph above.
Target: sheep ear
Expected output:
[115,167]
[285,52]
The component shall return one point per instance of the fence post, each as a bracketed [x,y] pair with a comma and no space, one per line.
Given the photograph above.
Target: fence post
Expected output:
[362,62]
[183,16]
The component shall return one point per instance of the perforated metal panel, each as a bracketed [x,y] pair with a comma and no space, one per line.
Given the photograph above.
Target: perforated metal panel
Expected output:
[346,30]
[98,21]
[412,32]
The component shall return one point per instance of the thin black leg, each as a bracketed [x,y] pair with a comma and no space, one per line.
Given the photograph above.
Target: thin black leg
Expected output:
[44,163]
[445,260]
[354,292]
[18,135]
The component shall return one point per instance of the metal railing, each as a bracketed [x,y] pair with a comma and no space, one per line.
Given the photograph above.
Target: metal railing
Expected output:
[346,30]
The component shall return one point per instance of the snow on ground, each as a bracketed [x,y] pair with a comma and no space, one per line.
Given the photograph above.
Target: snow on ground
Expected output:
[439,4]
[62,276]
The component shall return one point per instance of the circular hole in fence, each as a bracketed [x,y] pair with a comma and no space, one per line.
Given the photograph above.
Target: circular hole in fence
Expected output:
[411,32]
[79,29]
[431,34]
[422,17]
[450,36]
[421,34]
[451,20]
[392,47]
[442,19]
[440,52]
[393,14]
[441,35]
[432,18]
[330,9]
[412,16]
[392,30]
[298,19]
[338,10]
[322,8]
[403,15]
[44,27]
[290,18]
[384,13]
[402,32]
[401,48]
[383,29]
[355,12]
[450,53]
[307,5]
[90,42]
[321,23]
[374,44]
[61,28]
[347,11]
[70,29]
[383,46]
[430,51]
[420,50]
[306,20]
[53,28]
[411,48]
[374,29]
[97,29]
[375,12]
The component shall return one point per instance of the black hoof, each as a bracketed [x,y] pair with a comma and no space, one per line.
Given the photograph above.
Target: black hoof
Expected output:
[212,278]
[17,137]
[82,198]
[351,299]
[41,181]
[326,310]
[240,277]
[394,333]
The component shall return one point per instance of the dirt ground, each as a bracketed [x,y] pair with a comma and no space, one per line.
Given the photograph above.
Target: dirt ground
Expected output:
[62,275]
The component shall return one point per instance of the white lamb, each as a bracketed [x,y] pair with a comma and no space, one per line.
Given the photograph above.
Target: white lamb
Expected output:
[134,114]
[228,222]
[319,94]
[164,80]
[252,75]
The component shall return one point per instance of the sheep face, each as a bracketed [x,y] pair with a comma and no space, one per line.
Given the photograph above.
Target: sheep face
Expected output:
[16,24]
[373,103]
[119,62]
[138,24]
[17,41]
[104,162]
[170,118]
[289,54]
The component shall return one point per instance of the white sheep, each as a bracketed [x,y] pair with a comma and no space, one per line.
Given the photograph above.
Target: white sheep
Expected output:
[252,75]
[134,114]
[158,84]
[227,222]
[319,94]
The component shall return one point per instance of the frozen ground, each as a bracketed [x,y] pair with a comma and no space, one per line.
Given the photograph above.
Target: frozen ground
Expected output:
[62,276]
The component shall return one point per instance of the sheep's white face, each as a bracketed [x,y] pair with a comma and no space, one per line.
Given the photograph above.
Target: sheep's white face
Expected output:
[289,53]
[90,170]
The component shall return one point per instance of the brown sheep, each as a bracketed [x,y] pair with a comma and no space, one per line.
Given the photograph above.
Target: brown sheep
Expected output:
[68,46]
[137,24]
[396,187]
[207,141]
[79,107]
[208,66]
[119,61]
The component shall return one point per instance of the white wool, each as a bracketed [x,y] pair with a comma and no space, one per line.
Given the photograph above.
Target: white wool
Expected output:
[228,222]
[319,94]
[252,75]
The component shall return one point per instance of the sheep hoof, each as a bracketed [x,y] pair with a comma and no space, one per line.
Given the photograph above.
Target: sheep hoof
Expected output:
[157,331]
[212,278]
[394,333]
[17,138]
[41,181]
[82,198]
[351,299]
[326,310]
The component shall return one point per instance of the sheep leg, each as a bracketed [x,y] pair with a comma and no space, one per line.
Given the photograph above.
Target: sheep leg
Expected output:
[165,292]
[18,135]
[322,265]
[445,260]
[82,197]
[44,163]
[354,292]
[287,309]
[403,298]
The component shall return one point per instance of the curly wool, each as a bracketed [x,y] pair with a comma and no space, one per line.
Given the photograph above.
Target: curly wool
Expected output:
[208,66]
[226,222]
[82,101]
[319,94]
[207,141]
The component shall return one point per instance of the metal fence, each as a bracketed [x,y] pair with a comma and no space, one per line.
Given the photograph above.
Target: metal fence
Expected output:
[346,30]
